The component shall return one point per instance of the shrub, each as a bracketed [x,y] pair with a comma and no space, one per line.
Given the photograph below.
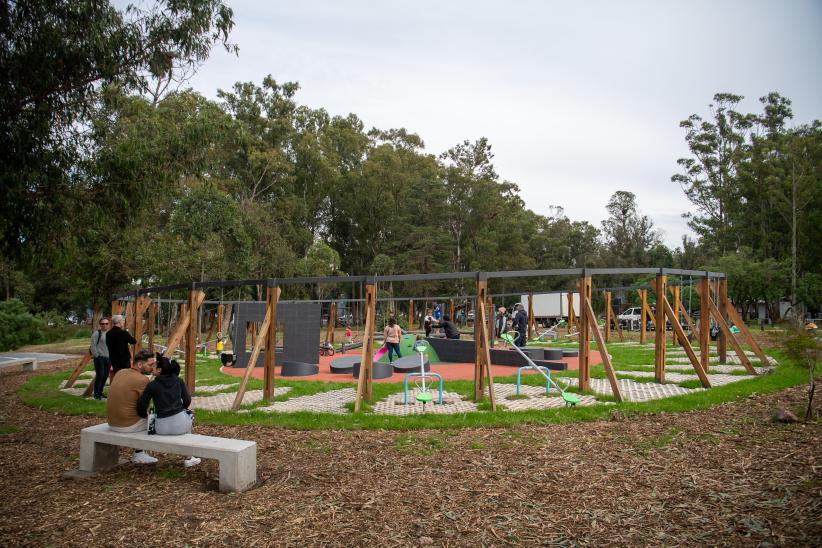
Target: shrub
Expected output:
[18,327]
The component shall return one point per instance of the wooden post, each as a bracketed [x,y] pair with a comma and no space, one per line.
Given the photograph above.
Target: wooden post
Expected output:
[603,350]
[141,305]
[724,329]
[675,290]
[272,297]
[212,324]
[659,340]
[191,339]
[721,339]
[584,333]
[618,327]
[731,312]
[367,356]
[451,310]
[482,354]
[607,316]
[182,326]
[689,351]
[648,311]
[130,316]
[643,298]
[252,362]
[411,317]
[531,321]
[571,319]
[79,369]
[226,321]
[152,328]
[491,323]
[479,356]
[704,322]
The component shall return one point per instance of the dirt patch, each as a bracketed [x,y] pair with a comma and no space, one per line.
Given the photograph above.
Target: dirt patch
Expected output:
[724,476]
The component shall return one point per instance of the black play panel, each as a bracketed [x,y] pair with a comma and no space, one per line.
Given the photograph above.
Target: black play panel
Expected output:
[301,324]
[461,351]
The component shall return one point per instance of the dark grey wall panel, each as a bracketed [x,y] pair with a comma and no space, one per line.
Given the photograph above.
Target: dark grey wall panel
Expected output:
[301,332]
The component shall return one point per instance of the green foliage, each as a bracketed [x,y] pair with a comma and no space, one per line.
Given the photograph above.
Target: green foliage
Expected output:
[756,185]
[18,327]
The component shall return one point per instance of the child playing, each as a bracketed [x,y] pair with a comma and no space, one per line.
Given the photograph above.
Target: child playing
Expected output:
[171,401]
[393,335]
[349,337]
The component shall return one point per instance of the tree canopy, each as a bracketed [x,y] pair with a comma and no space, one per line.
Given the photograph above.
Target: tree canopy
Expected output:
[115,176]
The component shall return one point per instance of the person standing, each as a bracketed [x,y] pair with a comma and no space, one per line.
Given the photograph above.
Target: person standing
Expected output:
[501,324]
[521,324]
[123,395]
[428,321]
[99,352]
[393,335]
[117,341]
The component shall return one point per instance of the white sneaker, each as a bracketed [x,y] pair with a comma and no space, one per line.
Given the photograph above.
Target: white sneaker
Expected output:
[142,458]
[191,461]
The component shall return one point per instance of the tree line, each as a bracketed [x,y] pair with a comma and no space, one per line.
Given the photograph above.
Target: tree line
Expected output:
[115,176]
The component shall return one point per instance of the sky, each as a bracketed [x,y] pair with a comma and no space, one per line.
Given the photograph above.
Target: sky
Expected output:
[578,99]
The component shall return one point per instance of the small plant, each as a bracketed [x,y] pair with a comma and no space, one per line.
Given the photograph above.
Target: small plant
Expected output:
[805,347]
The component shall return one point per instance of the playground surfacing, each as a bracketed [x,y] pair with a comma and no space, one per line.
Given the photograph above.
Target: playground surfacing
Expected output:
[449,371]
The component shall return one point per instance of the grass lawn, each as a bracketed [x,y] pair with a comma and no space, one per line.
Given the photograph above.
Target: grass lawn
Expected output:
[42,392]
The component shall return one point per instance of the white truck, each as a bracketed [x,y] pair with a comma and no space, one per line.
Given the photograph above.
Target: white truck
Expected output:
[549,308]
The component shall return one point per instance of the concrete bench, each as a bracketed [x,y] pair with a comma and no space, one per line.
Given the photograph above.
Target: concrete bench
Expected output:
[238,458]
[18,364]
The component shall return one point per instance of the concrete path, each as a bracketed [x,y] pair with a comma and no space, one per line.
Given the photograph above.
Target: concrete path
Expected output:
[41,357]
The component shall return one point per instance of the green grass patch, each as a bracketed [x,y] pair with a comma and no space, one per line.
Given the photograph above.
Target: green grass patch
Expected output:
[171,473]
[6,429]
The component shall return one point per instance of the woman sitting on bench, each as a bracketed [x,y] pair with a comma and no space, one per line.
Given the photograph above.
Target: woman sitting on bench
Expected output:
[171,401]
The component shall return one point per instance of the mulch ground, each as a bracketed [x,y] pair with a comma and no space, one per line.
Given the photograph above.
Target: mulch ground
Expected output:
[725,476]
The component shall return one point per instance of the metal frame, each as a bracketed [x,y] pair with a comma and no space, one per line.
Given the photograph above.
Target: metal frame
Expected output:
[566,272]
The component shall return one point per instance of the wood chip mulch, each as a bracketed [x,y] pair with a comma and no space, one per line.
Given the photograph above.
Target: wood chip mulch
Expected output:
[728,475]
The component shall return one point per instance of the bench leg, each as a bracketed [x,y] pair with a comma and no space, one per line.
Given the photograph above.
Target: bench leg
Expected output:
[97,456]
[238,472]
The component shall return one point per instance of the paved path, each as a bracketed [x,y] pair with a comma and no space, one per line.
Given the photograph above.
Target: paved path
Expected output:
[39,356]
[332,401]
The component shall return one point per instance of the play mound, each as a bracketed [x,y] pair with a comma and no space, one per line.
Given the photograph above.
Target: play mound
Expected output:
[410,364]
[380,371]
[299,369]
[345,366]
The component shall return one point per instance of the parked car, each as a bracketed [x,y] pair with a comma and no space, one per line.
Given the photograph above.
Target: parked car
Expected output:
[630,318]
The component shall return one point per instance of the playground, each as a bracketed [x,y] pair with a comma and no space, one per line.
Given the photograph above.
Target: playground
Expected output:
[289,346]
[557,441]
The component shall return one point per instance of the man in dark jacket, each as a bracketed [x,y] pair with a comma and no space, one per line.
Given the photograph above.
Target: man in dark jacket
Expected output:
[117,341]
[450,329]
[521,325]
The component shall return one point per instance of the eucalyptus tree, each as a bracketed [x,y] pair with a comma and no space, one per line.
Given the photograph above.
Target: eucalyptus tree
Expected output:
[709,176]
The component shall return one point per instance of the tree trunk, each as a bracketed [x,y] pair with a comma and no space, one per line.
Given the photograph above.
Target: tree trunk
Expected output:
[793,232]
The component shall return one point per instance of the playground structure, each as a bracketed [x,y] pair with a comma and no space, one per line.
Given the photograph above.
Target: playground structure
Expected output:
[711,288]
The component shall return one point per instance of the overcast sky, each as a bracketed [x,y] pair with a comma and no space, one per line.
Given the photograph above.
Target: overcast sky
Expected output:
[578,99]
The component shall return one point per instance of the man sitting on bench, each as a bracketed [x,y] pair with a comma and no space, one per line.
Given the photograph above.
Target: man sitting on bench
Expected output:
[123,394]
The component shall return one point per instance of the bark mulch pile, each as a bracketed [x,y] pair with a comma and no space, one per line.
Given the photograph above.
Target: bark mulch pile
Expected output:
[729,475]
